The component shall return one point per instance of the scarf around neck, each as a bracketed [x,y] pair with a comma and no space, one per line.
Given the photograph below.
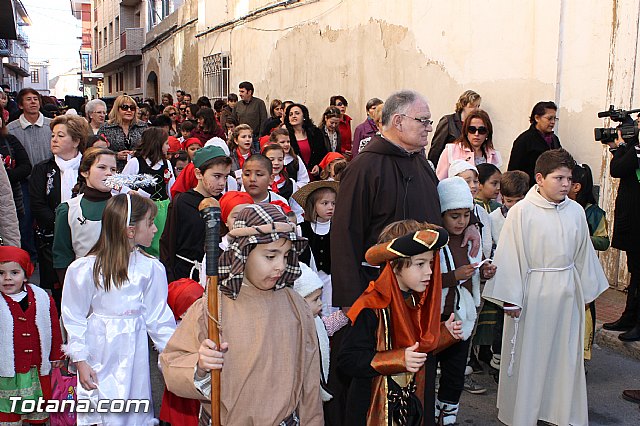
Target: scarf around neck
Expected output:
[68,175]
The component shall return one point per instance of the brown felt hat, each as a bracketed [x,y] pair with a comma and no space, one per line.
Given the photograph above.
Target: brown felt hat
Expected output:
[303,193]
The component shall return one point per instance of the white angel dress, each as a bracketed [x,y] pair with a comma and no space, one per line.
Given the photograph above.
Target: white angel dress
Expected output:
[109,331]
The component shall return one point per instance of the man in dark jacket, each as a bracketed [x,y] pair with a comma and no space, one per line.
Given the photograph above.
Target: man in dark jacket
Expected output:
[389,180]
[534,141]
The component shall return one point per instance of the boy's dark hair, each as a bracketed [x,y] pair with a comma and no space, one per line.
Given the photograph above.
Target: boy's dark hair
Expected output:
[399,229]
[337,98]
[310,213]
[582,175]
[264,161]
[203,102]
[151,144]
[514,183]
[179,156]
[225,161]
[246,85]
[552,160]
[160,120]
[218,104]
[187,126]
[232,97]
[485,171]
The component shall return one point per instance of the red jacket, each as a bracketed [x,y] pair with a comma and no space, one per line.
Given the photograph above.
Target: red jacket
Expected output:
[26,337]
[345,133]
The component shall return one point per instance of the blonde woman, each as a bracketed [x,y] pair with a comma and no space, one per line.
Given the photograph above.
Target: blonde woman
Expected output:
[123,130]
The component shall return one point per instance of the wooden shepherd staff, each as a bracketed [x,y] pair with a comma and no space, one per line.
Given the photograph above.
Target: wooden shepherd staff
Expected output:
[210,211]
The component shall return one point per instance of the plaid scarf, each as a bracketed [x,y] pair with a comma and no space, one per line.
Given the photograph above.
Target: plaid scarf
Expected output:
[267,224]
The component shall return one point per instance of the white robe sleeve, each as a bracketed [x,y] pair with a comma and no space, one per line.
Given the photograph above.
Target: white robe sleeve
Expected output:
[77,295]
[590,273]
[303,174]
[158,316]
[507,286]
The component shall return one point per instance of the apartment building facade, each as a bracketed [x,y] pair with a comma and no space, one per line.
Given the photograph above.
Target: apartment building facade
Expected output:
[118,29]
[14,59]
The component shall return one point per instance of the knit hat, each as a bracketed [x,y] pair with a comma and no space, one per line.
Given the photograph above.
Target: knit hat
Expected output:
[329,158]
[15,254]
[191,141]
[454,194]
[174,144]
[459,166]
[303,193]
[182,294]
[308,282]
[205,154]
[216,141]
[230,200]
[258,224]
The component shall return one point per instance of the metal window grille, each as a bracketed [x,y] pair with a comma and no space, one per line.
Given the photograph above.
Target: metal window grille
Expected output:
[215,74]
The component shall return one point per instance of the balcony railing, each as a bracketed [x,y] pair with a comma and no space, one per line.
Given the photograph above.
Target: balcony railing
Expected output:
[132,39]
[4,47]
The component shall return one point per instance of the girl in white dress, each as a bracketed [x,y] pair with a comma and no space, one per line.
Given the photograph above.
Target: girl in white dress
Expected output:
[111,300]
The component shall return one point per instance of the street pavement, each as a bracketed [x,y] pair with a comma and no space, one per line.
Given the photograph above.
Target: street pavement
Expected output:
[608,374]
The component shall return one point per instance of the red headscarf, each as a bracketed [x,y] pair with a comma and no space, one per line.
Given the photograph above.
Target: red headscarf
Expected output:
[329,158]
[190,142]
[15,254]
[174,144]
[230,200]
[182,294]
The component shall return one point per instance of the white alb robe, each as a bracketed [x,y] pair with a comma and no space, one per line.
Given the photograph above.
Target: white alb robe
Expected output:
[109,331]
[547,266]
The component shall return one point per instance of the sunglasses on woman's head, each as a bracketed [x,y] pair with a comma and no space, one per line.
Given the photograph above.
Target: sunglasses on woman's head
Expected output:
[481,130]
[126,107]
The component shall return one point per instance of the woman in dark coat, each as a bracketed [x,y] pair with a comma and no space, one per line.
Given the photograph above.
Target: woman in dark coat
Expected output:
[537,139]
[50,184]
[305,137]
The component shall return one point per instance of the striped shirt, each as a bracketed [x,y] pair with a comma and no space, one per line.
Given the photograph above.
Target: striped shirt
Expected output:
[36,138]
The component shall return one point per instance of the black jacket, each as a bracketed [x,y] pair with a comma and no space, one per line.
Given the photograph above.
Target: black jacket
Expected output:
[17,164]
[448,130]
[316,143]
[44,192]
[527,148]
[626,228]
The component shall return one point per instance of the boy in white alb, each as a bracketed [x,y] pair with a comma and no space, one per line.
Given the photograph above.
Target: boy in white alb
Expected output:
[547,272]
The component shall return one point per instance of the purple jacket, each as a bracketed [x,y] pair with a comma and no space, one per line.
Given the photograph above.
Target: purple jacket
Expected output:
[365,129]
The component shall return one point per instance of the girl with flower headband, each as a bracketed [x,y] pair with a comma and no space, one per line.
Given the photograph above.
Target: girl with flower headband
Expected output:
[274,356]
[111,300]
[150,157]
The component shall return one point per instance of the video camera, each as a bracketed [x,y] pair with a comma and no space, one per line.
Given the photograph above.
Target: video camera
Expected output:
[628,126]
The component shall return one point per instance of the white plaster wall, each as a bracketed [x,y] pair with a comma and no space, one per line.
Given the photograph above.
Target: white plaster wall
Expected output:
[513,53]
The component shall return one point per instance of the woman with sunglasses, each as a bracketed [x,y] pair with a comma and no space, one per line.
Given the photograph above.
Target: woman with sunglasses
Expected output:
[475,144]
[123,130]
[172,112]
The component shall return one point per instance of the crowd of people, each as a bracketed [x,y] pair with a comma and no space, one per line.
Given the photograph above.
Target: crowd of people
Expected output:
[363,278]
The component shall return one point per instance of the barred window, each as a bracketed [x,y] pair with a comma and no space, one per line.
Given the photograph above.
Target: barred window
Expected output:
[35,76]
[215,75]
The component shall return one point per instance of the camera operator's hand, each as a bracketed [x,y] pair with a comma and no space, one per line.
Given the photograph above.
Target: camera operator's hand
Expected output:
[617,142]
